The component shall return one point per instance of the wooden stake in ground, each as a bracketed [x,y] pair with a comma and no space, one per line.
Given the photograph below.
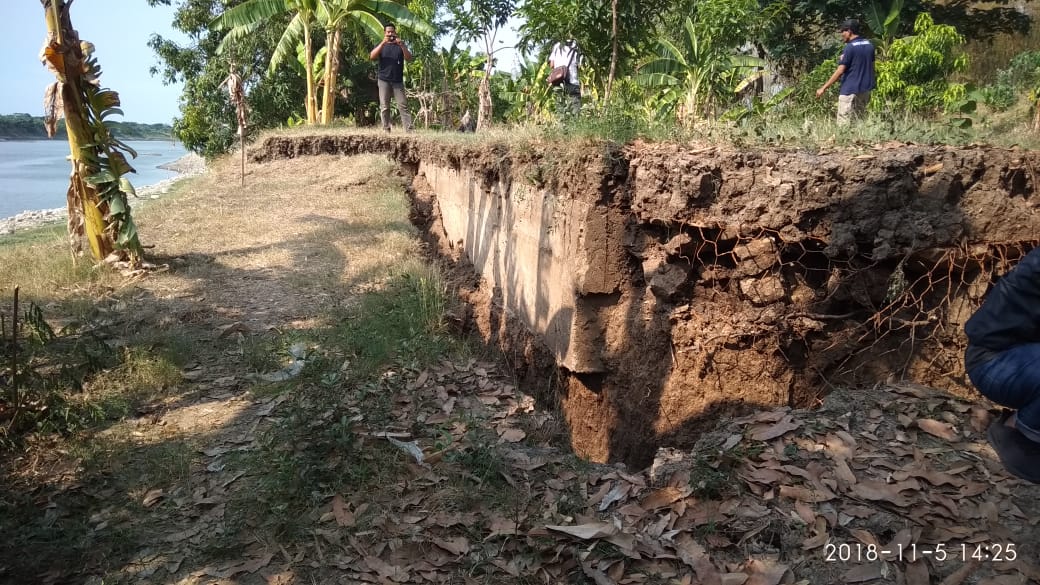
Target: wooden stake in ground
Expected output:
[237,93]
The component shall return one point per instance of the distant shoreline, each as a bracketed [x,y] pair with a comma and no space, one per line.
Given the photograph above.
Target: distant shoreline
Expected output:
[44,139]
[186,166]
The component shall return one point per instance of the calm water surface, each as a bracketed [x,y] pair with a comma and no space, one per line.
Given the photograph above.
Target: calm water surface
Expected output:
[34,174]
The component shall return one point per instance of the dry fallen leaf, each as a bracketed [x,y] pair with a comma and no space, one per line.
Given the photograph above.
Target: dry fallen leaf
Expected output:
[806,494]
[511,434]
[662,497]
[598,577]
[764,572]
[152,498]
[937,428]
[958,576]
[587,531]
[696,558]
[861,573]
[457,546]
[822,535]
[768,433]
[344,517]
[882,492]
[980,419]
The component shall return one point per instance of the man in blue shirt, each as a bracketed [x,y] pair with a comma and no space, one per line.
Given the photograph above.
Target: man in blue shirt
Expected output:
[856,71]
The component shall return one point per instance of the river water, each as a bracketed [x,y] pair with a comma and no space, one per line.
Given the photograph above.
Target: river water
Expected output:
[34,174]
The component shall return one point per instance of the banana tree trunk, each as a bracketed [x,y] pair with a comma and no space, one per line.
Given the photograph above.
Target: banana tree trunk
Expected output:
[331,75]
[312,95]
[1036,117]
[87,211]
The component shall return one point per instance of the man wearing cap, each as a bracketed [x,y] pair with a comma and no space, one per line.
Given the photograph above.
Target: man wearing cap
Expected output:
[856,71]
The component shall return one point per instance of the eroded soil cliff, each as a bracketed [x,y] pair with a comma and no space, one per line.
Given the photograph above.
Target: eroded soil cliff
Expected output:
[709,280]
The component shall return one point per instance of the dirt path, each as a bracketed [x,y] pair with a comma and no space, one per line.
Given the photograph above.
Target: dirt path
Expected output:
[425,463]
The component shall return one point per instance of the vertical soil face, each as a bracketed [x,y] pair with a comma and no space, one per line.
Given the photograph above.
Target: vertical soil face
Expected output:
[709,281]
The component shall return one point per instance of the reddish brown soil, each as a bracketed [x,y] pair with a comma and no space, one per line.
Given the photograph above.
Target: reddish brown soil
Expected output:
[748,278]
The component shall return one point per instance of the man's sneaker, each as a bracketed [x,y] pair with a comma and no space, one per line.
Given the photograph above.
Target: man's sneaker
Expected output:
[1020,456]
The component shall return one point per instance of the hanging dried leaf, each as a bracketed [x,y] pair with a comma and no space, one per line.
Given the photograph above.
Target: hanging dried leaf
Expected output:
[53,108]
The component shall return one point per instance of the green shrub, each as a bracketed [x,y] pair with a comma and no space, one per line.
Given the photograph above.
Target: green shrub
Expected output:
[915,75]
[1022,74]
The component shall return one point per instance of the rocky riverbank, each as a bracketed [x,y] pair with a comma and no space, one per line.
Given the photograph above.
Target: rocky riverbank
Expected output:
[188,165]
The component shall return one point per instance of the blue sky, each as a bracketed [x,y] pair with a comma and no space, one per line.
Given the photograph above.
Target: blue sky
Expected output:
[119,30]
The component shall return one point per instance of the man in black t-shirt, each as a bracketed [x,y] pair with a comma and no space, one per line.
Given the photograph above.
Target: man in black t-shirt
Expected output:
[391,55]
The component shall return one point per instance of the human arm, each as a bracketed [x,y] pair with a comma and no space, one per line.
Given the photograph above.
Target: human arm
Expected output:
[404,49]
[374,55]
[837,75]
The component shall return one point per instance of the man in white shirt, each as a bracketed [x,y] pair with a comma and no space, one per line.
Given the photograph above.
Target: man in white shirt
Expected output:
[566,54]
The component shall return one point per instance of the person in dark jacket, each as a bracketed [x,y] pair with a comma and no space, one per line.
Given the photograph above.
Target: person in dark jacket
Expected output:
[1003,362]
[391,55]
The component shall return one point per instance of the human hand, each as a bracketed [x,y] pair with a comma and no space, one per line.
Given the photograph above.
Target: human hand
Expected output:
[819,92]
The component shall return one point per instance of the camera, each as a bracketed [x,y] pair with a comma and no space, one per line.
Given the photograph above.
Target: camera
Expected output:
[393,37]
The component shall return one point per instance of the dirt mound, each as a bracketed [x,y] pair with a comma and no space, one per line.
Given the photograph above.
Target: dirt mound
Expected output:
[703,282]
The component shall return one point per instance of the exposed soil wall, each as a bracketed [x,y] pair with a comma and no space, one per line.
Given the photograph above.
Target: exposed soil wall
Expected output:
[677,284]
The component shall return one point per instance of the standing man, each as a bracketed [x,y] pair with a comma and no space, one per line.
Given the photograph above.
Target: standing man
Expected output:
[391,54]
[856,70]
[565,54]
[1003,361]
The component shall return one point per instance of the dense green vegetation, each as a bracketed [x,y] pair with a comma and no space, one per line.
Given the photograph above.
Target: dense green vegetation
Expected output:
[737,68]
[26,127]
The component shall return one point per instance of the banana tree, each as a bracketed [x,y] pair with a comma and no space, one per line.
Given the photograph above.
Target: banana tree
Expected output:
[884,23]
[336,15]
[246,18]
[701,70]
[98,192]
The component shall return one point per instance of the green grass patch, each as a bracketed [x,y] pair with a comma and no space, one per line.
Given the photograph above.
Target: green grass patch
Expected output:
[76,526]
[318,446]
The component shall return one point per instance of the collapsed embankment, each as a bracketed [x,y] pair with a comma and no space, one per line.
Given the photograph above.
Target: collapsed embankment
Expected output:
[673,285]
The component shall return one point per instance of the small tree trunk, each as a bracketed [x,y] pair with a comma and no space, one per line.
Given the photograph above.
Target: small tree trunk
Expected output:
[613,50]
[1036,117]
[485,111]
[312,96]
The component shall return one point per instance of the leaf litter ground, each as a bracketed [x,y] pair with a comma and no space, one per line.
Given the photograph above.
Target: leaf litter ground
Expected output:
[443,471]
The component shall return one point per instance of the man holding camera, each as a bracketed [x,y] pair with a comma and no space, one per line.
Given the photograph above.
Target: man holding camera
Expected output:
[391,55]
